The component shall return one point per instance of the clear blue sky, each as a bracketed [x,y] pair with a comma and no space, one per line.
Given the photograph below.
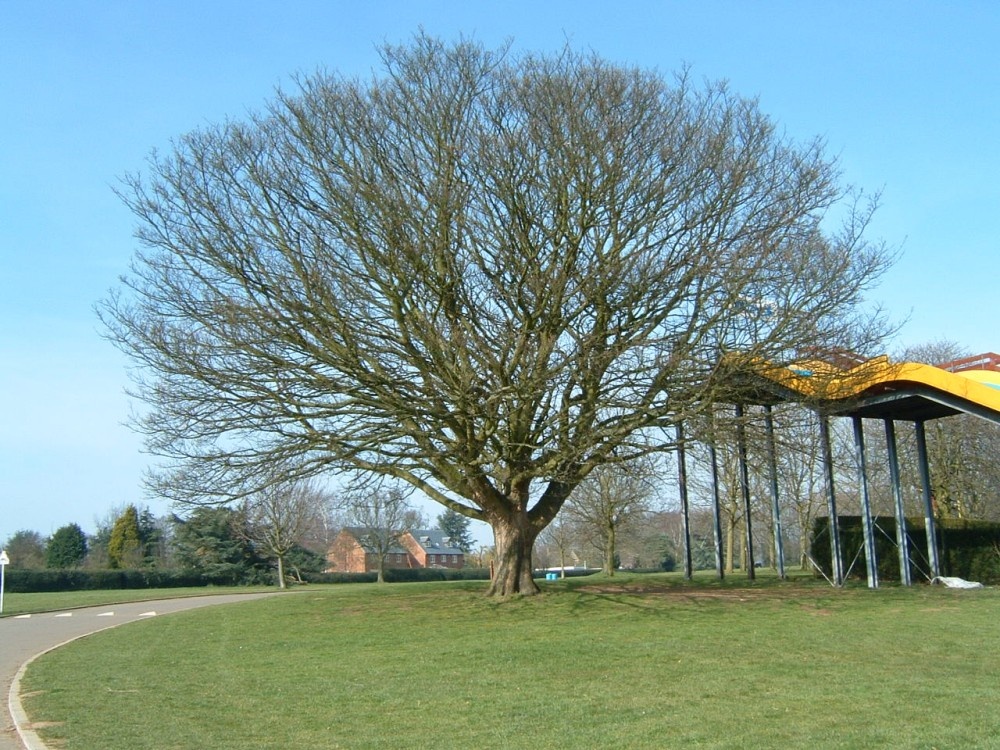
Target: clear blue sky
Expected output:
[906,95]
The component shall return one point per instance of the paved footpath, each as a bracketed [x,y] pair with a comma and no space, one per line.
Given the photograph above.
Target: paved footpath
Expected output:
[26,636]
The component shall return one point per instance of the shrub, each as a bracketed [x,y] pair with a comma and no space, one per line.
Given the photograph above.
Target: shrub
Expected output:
[402,575]
[36,581]
[967,549]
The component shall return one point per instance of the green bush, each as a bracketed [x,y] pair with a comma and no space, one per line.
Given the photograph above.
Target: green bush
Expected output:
[467,574]
[36,581]
[402,575]
[966,549]
[339,577]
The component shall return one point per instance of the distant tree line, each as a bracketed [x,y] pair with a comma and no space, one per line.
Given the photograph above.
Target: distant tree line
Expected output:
[222,544]
[274,536]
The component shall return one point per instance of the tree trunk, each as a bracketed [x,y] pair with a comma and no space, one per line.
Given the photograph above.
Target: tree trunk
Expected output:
[805,550]
[281,572]
[609,552]
[514,536]
[730,535]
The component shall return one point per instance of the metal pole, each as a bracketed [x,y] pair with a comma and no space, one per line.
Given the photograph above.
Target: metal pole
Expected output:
[925,481]
[866,509]
[772,459]
[741,449]
[720,564]
[682,486]
[4,561]
[902,540]
[836,558]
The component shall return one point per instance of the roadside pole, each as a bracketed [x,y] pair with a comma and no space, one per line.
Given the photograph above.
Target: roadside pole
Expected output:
[4,560]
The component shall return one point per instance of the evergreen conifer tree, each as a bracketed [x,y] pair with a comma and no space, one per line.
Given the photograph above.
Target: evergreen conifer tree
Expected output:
[125,543]
[456,526]
[66,548]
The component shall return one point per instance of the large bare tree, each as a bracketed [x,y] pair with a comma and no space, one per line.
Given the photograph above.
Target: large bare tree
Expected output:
[481,273]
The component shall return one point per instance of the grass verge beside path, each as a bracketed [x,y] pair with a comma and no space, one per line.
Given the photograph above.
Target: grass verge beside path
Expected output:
[630,662]
[17,604]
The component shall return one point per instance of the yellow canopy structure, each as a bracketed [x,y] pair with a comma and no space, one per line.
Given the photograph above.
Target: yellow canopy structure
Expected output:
[882,389]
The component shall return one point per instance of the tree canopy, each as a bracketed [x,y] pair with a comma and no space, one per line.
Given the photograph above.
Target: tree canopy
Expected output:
[66,548]
[456,527]
[125,542]
[209,542]
[481,273]
[26,549]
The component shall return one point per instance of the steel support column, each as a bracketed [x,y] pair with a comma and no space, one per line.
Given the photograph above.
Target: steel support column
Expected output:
[772,466]
[866,508]
[683,489]
[741,450]
[902,540]
[836,558]
[925,482]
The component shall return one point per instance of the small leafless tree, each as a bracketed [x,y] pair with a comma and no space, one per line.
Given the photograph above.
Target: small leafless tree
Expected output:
[613,496]
[801,474]
[561,539]
[379,516]
[277,518]
[481,274]
[326,524]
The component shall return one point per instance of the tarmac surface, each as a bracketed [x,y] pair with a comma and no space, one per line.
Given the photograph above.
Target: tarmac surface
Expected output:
[23,637]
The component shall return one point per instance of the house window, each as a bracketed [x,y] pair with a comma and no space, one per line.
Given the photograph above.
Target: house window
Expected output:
[433,559]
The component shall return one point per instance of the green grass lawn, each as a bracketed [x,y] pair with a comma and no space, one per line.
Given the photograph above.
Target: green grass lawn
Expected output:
[628,662]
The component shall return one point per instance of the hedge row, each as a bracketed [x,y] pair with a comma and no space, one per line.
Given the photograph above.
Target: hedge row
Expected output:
[25,581]
[966,549]
[402,575]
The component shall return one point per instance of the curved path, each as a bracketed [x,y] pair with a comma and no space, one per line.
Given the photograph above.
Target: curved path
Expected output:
[24,637]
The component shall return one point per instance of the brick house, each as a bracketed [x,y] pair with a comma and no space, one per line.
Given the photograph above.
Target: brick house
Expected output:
[432,548]
[420,548]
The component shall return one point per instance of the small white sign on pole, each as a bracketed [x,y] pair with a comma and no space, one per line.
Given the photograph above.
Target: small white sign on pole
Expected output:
[4,562]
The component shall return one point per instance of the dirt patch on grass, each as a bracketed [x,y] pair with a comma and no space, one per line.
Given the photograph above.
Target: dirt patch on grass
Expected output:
[680,592]
[821,612]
